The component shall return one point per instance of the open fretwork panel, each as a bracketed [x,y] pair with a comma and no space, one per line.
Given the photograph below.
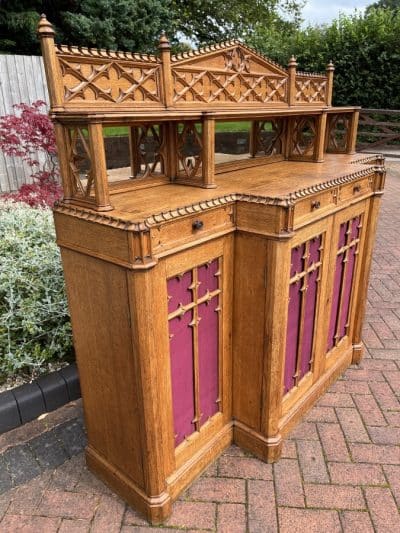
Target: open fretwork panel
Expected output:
[216,232]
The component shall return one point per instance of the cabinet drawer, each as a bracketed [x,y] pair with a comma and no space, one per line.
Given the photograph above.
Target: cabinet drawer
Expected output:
[311,206]
[355,189]
[192,228]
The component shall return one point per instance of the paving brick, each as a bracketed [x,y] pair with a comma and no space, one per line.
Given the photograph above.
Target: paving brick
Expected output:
[66,476]
[5,500]
[351,387]
[370,338]
[379,364]
[132,517]
[384,435]
[289,450]
[69,525]
[386,354]
[231,518]
[193,514]
[393,418]
[321,414]
[5,476]
[29,524]
[352,425]
[218,490]
[364,374]
[289,487]
[212,470]
[261,507]
[384,396]
[90,484]
[26,498]
[383,510]
[48,451]
[108,515]
[73,437]
[356,474]
[336,399]
[356,522]
[393,476]
[333,442]
[305,431]
[235,450]
[312,462]
[369,410]
[312,521]
[334,497]
[374,453]
[21,464]
[67,505]
[244,467]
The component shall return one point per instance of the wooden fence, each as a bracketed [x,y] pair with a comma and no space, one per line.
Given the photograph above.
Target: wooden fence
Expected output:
[22,79]
[378,128]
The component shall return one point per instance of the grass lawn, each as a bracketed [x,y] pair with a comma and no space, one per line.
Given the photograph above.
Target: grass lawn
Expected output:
[114,131]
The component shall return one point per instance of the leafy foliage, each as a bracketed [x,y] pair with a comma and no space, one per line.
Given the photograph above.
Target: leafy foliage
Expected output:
[34,321]
[26,134]
[364,48]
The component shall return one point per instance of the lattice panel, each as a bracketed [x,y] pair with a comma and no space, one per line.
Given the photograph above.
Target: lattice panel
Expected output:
[194,330]
[304,134]
[110,81]
[338,133]
[269,137]
[310,90]
[189,151]
[304,281]
[346,258]
[80,165]
[149,151]
[208,86]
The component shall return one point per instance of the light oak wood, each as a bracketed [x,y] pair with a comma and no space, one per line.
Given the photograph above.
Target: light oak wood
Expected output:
[124,242]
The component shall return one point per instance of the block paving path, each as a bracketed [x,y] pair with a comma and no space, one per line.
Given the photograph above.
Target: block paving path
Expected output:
[340,470]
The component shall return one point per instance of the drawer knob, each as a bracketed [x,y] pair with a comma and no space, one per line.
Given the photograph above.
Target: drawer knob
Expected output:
[316,204]
[197,224]
[356,189]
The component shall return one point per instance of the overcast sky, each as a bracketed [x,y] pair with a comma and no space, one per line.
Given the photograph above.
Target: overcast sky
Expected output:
[320,11]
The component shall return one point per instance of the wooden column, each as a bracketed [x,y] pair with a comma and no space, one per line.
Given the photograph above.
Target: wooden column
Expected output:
[320,138]
[65,170]
[292,66]
[208,163]
[352,133]
[51,65]
[99,166]
[253,138]
[165,51]
[172,156]
[133,151]
[329,84]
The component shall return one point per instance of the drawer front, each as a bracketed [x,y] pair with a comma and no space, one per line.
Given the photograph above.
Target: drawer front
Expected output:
[311,207]
[355,189]
[192,228]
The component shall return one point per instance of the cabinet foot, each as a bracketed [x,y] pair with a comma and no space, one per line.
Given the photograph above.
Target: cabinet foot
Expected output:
[267,449]
[358,353]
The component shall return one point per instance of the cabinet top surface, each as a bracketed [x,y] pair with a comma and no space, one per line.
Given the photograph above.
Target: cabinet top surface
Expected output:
[281,183]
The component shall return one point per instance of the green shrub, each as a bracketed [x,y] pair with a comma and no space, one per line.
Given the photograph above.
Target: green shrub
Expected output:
[34,322]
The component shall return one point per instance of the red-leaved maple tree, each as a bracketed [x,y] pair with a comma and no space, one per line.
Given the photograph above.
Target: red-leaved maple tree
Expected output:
[26,134]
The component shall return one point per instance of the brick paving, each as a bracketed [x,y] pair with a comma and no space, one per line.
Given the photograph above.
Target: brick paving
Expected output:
[340,469]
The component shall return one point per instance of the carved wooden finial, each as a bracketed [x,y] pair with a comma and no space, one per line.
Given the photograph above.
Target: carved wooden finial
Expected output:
[164,43]
[330,66]
[45,29]
[292,62]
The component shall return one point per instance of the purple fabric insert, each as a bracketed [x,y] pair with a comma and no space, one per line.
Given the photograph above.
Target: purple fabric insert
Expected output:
[292,334]
[297,262]
[315,254]
[308,328]
[178,291]
[182,373]
[335,301]
[207,278]
[208,359]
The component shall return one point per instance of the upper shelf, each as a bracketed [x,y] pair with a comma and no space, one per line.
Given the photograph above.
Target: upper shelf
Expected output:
[219,77]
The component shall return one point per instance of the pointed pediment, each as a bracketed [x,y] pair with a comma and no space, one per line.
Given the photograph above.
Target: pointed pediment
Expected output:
[232,56]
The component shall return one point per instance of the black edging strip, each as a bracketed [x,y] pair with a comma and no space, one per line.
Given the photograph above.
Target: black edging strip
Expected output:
[47,393]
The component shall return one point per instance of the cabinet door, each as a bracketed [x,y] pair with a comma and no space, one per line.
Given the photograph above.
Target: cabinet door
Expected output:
[348,237]
[307,283]
[199,310]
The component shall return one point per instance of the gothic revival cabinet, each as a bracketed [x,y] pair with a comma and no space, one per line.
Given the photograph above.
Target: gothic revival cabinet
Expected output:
[216,282]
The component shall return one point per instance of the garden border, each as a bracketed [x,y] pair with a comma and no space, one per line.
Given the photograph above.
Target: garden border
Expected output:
[45,394]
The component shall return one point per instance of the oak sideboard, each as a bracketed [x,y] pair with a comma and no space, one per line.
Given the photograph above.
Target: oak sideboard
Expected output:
[214,295]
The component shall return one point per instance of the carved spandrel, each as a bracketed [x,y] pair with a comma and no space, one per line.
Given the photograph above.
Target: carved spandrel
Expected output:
[148,151]
[303,136]
[338,133]
[189,151]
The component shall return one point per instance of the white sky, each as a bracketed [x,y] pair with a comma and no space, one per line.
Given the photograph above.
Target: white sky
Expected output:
[320,11]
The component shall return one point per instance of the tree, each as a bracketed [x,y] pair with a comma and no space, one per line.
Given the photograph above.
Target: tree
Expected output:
[392,5]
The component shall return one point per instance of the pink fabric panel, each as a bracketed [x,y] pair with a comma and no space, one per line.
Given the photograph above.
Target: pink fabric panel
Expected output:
[181,353]
[208,359]
[335,301]
[309,318]
[207,278]
[178,291]
[315,254]
[292,334]
[297,262]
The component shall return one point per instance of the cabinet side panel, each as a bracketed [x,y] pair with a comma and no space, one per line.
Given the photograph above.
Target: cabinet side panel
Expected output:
[248,328]
[98,302]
